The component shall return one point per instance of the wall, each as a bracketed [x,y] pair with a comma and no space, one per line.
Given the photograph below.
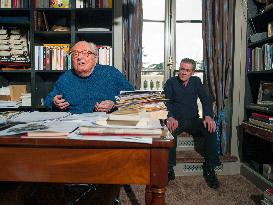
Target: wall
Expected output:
[117,34]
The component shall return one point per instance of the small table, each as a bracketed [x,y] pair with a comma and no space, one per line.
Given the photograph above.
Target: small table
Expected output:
[84,161]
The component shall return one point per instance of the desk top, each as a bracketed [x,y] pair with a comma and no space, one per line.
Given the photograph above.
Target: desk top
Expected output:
[167,142]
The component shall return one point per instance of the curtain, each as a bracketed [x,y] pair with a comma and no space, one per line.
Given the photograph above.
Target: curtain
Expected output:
[218,38]
[132,41]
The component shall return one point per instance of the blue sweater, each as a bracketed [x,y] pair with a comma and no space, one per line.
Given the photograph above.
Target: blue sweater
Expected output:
[82,93]
[182,104]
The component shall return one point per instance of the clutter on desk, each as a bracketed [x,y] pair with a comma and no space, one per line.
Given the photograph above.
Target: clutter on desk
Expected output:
[135,102]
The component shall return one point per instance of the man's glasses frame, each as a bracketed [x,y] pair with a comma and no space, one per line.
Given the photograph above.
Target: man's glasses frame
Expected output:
[85,53]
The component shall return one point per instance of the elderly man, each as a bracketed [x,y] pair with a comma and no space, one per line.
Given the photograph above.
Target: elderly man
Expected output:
[182,92]
[88,87]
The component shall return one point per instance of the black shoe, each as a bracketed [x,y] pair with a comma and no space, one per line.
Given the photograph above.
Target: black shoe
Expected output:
[171,174]
[117,201]
[210,177]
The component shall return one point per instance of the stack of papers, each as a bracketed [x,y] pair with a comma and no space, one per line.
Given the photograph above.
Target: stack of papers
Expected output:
[134,102]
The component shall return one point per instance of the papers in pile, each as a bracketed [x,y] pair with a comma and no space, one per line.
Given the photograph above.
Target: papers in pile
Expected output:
[135,101]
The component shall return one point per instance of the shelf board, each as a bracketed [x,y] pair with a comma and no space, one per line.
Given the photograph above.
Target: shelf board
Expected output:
[94,32]
[93,9]
[20,10]
[258,131]
[18,24]
[20,108]
[256,178]
[256,107]
[261,42]
[54,9]
[262,72]
[50,71]
[15,71]
[52,33]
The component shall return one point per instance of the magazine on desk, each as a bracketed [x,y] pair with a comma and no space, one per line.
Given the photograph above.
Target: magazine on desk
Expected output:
[52,129]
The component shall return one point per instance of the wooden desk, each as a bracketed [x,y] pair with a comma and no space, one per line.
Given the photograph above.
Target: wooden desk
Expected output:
[78,161]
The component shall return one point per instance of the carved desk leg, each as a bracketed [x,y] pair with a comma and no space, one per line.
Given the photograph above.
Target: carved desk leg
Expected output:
[155,195]
[148,195]
[158,195]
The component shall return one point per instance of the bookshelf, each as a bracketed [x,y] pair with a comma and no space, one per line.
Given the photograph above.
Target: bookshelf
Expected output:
[257,140]
[45,25]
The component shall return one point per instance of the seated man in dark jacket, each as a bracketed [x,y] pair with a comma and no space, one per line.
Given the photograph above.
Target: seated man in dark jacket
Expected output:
[183,91]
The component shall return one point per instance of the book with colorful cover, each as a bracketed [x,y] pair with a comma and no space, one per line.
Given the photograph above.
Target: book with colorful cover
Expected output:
[59,4]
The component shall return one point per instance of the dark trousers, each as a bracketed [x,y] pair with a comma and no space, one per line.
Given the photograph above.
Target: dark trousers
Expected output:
[195,127]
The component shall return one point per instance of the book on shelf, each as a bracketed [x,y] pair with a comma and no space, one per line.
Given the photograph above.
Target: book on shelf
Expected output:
[262,124]
[262,116]
[59,4]
[45,21]
[268,195]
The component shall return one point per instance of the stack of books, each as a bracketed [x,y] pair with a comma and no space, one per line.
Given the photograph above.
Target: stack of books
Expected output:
[262,120]
[268,197]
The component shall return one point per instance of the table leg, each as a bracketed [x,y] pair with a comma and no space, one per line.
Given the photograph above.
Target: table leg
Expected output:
[155,195]
[148,195]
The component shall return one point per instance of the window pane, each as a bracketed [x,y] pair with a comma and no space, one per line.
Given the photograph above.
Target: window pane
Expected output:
[154,9]
[152,43]
[152,75]
[189,43]
[188,10]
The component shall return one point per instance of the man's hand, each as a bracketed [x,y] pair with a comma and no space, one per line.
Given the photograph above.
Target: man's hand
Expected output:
[172,124]
[104,106]
[209,124]
[60,102]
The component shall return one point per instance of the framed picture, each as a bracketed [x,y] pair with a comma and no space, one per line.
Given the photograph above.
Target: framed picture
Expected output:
[265,96]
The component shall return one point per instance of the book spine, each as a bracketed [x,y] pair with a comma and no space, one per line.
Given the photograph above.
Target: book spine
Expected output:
[268,117]
[262,119]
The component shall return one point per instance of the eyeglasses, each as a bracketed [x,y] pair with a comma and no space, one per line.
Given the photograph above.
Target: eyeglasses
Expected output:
[185,70]
[85,53]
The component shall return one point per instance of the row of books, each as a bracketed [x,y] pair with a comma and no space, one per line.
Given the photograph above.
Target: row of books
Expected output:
[260,58]
[79,4]
[268,197]
[52,57]
[94,3]
[14,4]
[57,56]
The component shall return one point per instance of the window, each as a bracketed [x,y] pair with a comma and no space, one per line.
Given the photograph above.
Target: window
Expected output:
[171,33]
[162,38]
[153,44]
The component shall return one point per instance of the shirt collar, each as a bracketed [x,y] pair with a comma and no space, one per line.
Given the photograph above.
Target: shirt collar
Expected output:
[183,83]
